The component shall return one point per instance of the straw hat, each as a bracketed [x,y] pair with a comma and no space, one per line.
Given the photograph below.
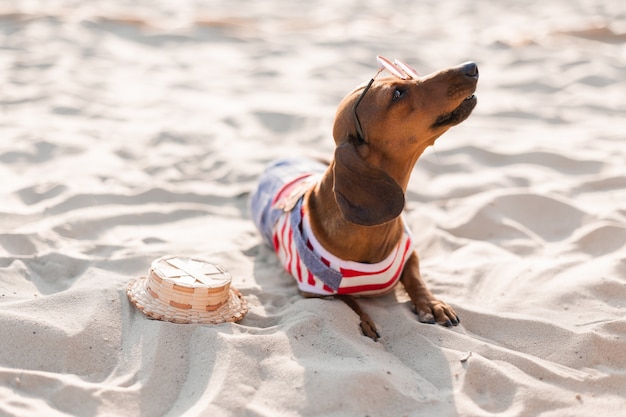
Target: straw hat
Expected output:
[187,290]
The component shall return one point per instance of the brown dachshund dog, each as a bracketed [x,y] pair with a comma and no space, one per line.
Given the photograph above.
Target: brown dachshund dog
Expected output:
[352,210]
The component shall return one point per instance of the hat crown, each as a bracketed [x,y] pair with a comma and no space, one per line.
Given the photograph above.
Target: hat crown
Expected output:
[191,272]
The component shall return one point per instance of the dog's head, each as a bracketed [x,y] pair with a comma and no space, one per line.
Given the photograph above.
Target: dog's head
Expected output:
[399,119]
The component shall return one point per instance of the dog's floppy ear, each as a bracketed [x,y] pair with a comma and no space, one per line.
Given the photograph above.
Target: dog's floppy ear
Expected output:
[366,194]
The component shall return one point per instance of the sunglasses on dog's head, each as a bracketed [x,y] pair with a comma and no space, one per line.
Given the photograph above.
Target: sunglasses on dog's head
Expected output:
[396,68]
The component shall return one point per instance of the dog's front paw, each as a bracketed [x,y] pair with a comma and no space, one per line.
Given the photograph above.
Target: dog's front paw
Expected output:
[369,329]
[435,311]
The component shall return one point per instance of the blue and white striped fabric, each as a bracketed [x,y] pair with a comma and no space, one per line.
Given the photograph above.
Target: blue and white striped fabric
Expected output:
[274,179]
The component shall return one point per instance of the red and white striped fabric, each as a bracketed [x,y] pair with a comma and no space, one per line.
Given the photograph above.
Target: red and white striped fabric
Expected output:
[357,278]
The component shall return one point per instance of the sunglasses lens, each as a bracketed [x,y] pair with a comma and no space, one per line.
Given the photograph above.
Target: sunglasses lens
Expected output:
[389,66]
[410,71]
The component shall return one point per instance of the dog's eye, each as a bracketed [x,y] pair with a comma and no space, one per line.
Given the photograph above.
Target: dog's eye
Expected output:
[398,93]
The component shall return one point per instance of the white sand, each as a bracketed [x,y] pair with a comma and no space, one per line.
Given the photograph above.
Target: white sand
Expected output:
[131,130]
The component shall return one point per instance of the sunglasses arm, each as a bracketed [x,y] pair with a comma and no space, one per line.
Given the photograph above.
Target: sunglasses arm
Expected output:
[357,122]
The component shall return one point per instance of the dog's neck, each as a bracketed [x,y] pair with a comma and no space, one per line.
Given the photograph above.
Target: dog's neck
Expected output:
[346,240]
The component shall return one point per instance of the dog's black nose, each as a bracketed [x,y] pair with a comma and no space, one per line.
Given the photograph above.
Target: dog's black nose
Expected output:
[470,69]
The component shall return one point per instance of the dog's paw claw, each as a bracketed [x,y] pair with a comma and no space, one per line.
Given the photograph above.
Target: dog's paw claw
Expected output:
[437,312]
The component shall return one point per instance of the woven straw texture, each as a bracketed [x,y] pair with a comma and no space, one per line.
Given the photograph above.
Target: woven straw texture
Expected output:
[186,290]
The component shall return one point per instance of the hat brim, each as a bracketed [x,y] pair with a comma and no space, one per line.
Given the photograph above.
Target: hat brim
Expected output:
[232,311]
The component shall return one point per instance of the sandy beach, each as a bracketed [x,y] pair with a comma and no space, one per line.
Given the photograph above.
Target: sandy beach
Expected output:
[133,130]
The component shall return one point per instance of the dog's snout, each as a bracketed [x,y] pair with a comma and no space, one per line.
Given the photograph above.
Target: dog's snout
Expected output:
[470,69]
